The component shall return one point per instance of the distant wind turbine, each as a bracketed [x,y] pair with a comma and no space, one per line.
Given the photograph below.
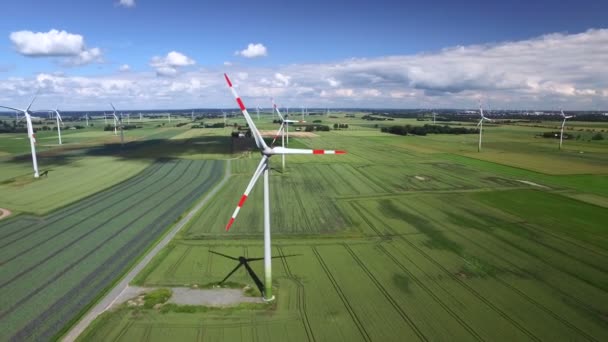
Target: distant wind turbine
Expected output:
[480,125]
[30,133]
[561,133]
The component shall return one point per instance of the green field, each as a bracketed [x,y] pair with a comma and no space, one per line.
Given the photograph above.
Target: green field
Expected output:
[402,238]
[405,237]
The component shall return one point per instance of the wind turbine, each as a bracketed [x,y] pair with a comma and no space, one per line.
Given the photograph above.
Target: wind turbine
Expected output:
[263,168]
[30,133]
[480,125]
[86,116]
[258,110]
[116,120]
[192,116]
[561,133]
[140,118]
[58,119]
[282,130]
[224,115]
[169,116]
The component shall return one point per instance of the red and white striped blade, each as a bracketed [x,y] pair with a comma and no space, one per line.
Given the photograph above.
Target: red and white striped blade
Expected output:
[285,150]
[295,121]
[274,106]
[259,141]
[256,175]
[279,132]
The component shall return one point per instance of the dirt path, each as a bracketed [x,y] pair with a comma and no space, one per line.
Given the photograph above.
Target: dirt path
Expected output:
[190,296]
[106,302]
[4,213]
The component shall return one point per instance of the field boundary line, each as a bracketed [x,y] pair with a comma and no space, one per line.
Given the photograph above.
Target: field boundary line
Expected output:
[105,303]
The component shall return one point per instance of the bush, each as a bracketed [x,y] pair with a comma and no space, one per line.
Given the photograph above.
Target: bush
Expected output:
[597,136]
[158,296]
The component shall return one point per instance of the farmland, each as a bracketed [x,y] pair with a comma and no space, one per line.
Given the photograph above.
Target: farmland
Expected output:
[53,266]
[402,238]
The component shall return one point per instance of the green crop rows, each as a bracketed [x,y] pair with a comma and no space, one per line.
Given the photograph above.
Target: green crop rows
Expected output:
[53,266]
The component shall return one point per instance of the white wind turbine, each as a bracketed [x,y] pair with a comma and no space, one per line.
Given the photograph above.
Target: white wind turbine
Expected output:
[480,125]
[86,116]
[169,117]
[258,110]
[263,168]
[192,116]
[30,133]
[140,118]
[283,129]
[58,119]
[561,133]
[118,122]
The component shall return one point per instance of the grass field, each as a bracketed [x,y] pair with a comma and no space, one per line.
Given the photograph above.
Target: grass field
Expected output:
[403,238]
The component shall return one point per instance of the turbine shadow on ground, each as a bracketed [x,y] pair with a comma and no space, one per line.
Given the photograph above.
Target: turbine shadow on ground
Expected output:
[243,261]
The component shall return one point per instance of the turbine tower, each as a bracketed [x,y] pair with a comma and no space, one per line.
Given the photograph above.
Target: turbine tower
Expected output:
[480,125]
[561,133]
[116,121]
[30,133]
[263,168]
[283,129]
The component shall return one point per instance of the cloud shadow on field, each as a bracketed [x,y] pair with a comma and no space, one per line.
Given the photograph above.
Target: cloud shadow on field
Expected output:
[437,240]
[153,149]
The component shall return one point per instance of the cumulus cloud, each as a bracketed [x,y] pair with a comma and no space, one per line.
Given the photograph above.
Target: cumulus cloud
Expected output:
[253,51]
[124,68]
[55,43]
[170,64]
[127,3]
[552,71]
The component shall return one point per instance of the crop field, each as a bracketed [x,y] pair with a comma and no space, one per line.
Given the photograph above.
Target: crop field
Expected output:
[54,266]
[403,238]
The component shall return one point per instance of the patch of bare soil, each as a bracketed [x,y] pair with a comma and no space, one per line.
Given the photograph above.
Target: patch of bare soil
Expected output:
[4,213]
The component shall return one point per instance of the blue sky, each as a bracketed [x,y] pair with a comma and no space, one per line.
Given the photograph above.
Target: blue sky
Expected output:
[297,37]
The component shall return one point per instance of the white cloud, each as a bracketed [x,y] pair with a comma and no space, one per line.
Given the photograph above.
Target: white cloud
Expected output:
[170,64]
[124,68]
[227,63]
[544,72]
[55,44]
[253,50]
[127,3]
[52,43]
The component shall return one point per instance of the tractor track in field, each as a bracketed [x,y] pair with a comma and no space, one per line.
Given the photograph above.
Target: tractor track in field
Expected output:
[345,301]
[301,296]
[359,209]
[386,295]
[133,248]
[472,291]
[171,270]
[430,293]
[467,287]
[91,199]
[63,215]
[72,265]
[87,233]
[531,300]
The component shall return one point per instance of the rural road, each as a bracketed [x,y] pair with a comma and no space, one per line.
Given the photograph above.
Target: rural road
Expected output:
[109,298]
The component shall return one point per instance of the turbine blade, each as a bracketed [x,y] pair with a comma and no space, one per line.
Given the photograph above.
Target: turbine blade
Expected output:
[479,123]
[34,99]
[231,273]
[15,109]
[259,141]
[278,133]
[285,150]
[256,176]
[224,255]
[274,107]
